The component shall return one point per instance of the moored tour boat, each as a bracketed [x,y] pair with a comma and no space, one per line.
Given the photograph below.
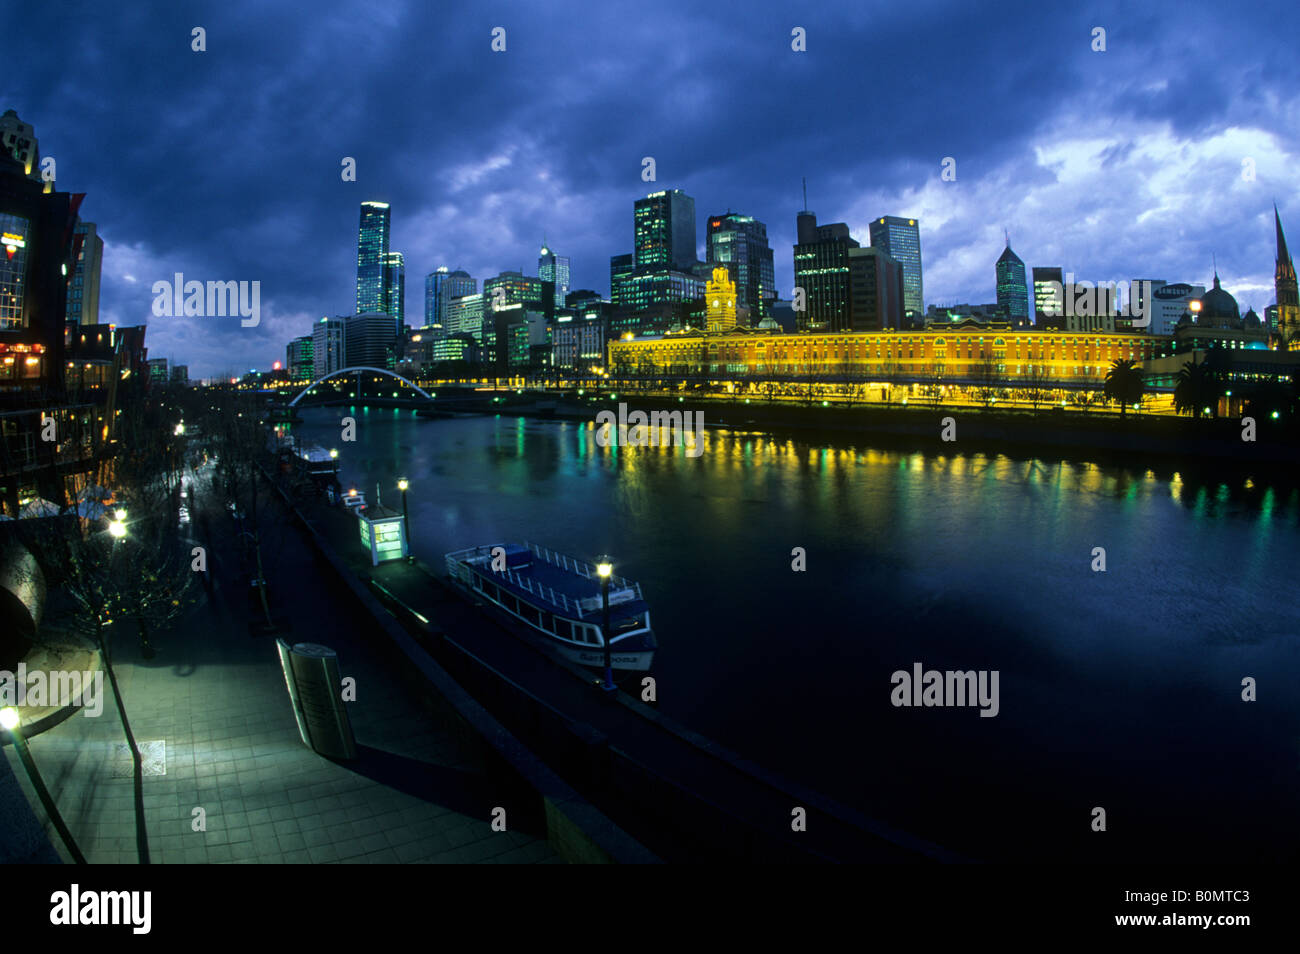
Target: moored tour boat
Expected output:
[559,599]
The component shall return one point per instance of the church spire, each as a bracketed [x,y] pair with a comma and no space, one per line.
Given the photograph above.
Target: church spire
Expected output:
[1282,254]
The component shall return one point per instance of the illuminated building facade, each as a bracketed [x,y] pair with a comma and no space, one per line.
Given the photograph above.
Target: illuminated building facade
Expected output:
[1049,301]
[554,269]
[1013,290]
[395,289]
[83,290]
[957,354]
[329,346]
[900,239]
[664,231]
[821,270]
[578,340]
[720,302]
[740,243]
[440,288]
[300,358]
[372,255]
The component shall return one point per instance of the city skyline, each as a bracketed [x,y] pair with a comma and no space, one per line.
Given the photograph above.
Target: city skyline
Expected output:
[1089,186]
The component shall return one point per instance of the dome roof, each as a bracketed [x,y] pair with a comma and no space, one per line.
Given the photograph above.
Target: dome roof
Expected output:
[1250,321]
[1218,308]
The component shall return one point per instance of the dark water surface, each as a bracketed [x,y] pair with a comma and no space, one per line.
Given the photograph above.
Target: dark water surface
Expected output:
[1118,689]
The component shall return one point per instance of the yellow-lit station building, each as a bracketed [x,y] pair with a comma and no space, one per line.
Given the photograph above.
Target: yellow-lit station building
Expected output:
[965,352]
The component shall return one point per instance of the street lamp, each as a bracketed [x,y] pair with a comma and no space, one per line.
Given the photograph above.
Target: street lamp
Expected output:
[402,484]
[118,525]
[603,569]
[10,720]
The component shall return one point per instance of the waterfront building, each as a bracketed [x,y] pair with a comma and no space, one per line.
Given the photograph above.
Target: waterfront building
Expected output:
[720,301]
[900,239]
[370,340]
[578,340]
[968,352]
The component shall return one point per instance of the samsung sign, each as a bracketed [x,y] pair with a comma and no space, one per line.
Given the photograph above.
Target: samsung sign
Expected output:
[1173,292]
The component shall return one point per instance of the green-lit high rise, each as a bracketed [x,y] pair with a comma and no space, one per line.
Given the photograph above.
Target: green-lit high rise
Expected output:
[1013,288]
[372,253]
[740,243]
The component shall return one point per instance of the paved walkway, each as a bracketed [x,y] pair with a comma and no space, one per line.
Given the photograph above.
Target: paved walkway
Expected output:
[214,697]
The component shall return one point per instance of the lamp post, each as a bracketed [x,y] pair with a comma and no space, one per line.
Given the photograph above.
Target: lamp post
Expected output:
[10,719]
[603,569]
[402,484]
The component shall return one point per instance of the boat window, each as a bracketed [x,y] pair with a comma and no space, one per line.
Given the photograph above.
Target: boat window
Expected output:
[489,589]
[509,602]
[563,628]
[548,622]
[529,614]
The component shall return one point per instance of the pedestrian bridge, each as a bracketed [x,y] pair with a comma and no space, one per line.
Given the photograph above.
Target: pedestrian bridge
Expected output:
[358,371]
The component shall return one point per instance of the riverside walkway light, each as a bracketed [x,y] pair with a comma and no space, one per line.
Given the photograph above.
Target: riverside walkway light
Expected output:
[11,720]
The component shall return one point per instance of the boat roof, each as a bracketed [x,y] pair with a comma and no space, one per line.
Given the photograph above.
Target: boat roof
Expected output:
[555,580]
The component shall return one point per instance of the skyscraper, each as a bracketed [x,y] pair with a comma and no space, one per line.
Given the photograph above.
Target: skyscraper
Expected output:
[1049,285]
[1013,290]
[664,231]
[554,268]
[821,269]
[83,290]
[620,274]
[329,346]
[440,287]
[901,239]
[740,243]
[875,291]
[1284,286]
[395,289]
[372,253]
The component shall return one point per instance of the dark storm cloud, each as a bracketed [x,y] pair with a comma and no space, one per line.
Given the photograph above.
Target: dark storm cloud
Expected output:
[224,165]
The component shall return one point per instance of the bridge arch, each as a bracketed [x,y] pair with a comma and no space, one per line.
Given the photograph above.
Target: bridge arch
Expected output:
[357,370]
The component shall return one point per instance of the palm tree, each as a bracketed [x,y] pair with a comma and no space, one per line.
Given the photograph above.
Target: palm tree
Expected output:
[1124,384]
[1198,388]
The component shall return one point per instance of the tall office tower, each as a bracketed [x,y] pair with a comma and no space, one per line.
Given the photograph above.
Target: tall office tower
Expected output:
[1049,285]
[299,358]
[440,287]
[620,275]
[395,289]
[821,269]
[329,346]
[664,231]
[901,239]
[876,291]
[372,253]
[19,140]
[515,288]
[740,243]
[1013,290]
[1284,286]
[554,268]
[464,315]
[83,290]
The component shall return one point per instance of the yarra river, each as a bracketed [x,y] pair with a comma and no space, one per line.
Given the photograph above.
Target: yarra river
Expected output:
[1119,689]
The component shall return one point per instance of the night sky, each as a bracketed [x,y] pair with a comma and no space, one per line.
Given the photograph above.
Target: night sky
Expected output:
[226,164]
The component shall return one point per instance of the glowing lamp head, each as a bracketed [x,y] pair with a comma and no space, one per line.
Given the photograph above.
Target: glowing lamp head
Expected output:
[9,717]
[604,568]
[117,528]
[402,484]
[334,453]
